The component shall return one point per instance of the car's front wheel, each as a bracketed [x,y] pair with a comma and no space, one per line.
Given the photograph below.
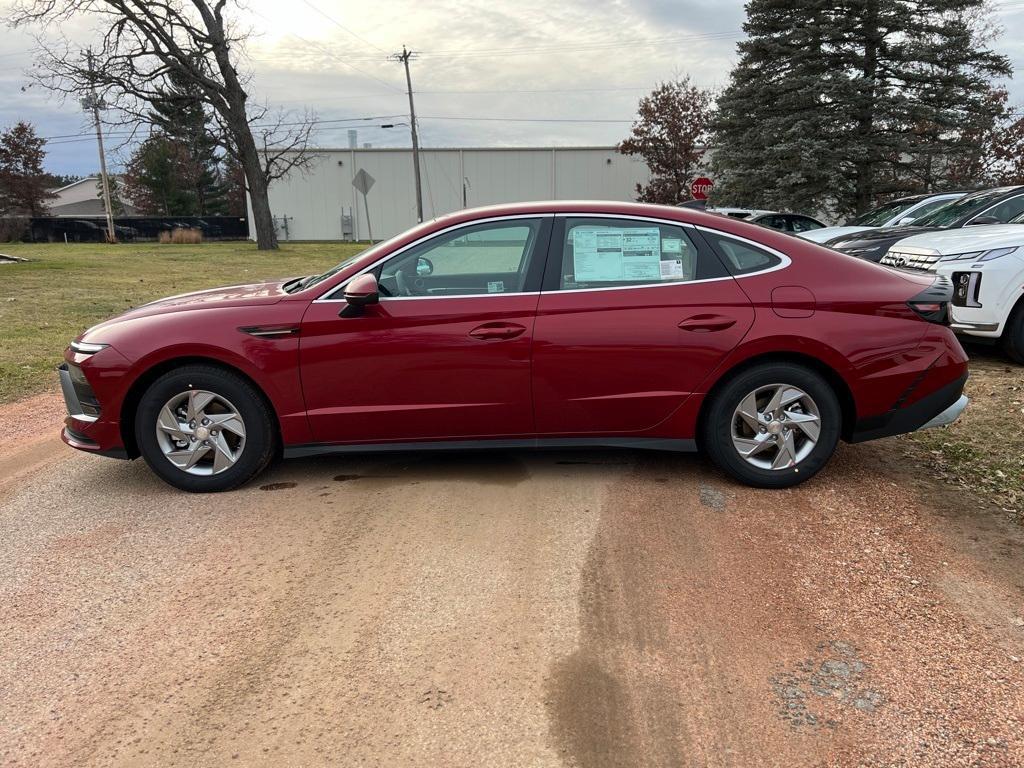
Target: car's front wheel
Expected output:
[203,429]
[773,425]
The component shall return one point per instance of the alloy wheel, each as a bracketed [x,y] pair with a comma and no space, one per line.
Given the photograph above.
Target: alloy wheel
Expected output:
[200,432]
[776,426]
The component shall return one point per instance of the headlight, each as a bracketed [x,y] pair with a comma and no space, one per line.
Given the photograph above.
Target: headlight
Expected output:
[85,348]
[995,253]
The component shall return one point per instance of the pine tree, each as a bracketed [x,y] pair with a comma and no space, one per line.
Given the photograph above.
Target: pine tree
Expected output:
[180,115]
[833,104]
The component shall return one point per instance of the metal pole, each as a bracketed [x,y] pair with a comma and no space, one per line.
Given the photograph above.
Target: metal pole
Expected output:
[369,229]
[404,57]
[111,233]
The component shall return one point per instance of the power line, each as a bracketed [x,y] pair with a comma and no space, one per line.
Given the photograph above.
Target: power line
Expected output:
[527,119]
[341,26]
[343,62]
[597,45]
[124,134]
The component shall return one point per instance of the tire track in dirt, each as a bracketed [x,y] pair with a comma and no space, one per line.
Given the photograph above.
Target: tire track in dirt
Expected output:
[844,622]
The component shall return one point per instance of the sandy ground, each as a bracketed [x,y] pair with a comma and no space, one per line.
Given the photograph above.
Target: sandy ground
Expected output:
[507,609]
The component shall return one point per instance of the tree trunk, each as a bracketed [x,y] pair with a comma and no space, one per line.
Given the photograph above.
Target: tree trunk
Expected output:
[865,166]
[256,182]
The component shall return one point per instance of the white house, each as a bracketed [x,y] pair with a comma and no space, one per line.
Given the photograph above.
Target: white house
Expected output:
[83,198]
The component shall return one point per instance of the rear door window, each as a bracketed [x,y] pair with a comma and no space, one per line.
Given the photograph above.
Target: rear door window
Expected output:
[609,253]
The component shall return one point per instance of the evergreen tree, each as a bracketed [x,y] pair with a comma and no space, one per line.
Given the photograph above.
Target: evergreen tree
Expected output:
[180,115]
[834,104]
[157,178]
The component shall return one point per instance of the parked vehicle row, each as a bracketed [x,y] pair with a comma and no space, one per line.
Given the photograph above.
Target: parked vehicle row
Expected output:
[537,324]
[896,213]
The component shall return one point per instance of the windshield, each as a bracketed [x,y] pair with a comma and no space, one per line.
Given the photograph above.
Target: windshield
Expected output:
[877,217]
[947,215]
[302,284]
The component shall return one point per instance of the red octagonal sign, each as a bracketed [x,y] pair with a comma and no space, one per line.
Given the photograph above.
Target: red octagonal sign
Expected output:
[701,188]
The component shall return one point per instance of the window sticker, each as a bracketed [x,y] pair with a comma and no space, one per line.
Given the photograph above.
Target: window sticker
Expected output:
[496,286]
[613,255]
[672,269]
[671,245]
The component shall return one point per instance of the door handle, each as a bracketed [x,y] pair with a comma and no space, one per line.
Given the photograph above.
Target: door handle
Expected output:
[707,323]
[496,331]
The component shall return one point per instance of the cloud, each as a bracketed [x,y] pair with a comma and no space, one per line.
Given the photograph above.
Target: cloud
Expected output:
[572,60]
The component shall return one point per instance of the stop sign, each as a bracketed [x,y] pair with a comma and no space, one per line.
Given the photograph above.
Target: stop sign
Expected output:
[701,188]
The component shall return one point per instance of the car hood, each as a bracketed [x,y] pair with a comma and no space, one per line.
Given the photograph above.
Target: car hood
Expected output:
[874,236]
[968,239]
[251,294]
[828,233]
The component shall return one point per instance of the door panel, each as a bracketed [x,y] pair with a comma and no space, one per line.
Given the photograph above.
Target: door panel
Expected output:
[617,361]
[625,357]
[427,363]
[412,369]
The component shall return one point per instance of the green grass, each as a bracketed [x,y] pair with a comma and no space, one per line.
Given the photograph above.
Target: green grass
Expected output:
[64,289]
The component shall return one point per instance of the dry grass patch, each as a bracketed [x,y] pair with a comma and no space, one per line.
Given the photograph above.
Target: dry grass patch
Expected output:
[984,449]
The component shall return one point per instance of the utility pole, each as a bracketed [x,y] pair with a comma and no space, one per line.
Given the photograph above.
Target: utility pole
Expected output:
[93,103]
[404,57]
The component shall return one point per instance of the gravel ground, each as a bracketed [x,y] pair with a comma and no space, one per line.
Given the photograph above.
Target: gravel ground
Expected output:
[541,609]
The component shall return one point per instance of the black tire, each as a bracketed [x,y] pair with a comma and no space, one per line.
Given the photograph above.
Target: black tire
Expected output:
[260,434]
[717,437]
[1013,334]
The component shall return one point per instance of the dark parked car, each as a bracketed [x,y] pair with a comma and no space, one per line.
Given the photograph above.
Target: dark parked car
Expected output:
[529,325]
[988,206]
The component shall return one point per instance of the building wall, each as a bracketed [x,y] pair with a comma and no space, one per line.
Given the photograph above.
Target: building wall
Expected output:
[313,202]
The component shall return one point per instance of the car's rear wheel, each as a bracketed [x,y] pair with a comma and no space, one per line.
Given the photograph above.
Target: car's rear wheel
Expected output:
[1013,335]
[204,429]
[773,425]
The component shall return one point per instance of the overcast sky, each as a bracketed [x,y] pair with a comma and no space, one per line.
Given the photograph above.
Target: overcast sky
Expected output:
[488,73]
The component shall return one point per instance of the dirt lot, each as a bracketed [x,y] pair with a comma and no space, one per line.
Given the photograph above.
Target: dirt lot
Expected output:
[562,609]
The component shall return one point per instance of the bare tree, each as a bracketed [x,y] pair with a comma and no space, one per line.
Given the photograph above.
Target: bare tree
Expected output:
[147,42]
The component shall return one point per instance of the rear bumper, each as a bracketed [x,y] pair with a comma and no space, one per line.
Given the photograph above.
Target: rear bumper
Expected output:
[938,408]
[949,415]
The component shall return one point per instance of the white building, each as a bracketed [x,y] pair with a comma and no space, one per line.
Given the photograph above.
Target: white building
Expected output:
[320,203]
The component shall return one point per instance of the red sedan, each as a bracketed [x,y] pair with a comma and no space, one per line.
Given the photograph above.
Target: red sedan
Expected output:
[541,324]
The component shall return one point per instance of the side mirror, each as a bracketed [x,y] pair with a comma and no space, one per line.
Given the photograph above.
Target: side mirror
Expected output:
[904,221]
[985,220]
[360,293]
[424,267]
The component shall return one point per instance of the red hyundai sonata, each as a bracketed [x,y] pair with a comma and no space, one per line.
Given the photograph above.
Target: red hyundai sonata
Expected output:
[540,324]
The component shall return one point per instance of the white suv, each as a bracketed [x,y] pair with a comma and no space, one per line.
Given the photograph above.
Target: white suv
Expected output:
[986,265]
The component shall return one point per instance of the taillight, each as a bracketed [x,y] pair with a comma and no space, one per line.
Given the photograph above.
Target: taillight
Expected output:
[932,304]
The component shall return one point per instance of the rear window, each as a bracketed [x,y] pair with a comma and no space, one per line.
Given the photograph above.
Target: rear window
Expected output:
[742,258]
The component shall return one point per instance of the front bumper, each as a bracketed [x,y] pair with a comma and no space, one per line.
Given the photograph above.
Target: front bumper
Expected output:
[88,427]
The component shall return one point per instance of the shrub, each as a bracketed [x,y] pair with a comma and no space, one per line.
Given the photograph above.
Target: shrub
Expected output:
[13,228]
[182,236]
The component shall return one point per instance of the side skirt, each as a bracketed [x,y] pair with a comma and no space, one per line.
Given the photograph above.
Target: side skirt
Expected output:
[645,443]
